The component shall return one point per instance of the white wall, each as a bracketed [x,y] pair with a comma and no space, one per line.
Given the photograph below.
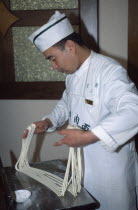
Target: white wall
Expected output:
[16,115]
[113,30]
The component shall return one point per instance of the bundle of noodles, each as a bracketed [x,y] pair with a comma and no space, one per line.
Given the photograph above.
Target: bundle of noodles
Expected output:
[73,174]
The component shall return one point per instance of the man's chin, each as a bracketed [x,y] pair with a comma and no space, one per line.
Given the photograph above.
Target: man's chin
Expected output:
[61,71]
[65,72]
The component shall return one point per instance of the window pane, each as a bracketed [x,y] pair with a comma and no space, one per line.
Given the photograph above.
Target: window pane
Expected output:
[43,4]
[30,64]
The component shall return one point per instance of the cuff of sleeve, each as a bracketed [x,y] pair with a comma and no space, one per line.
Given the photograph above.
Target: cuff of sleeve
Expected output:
[105,139]
[53,128]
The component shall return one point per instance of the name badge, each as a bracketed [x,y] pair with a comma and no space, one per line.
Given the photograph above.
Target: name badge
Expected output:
[87,101]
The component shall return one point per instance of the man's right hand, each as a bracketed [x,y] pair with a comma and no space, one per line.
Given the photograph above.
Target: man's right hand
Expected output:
[41,126]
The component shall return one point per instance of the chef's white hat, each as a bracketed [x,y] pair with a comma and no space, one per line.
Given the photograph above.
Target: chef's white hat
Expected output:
[57,28]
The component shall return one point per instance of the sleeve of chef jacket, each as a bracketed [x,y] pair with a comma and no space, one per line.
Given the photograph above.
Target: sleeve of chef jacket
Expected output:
[59,115]
[121,98]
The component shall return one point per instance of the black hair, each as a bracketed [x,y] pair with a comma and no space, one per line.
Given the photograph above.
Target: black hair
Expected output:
[75,37]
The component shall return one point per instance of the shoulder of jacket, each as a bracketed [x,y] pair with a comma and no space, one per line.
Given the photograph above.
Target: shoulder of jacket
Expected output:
[107,66]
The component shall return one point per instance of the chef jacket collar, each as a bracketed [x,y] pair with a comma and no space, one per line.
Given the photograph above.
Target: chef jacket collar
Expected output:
[84,67]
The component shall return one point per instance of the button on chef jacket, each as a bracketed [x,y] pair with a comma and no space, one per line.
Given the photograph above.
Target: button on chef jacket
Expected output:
[100,97]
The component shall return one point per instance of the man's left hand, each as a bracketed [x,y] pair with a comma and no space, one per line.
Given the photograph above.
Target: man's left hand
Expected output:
[76,138]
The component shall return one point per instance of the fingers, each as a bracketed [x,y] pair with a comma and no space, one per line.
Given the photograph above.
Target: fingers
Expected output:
[62,141]
[25,134]
[41,126]
[59,143]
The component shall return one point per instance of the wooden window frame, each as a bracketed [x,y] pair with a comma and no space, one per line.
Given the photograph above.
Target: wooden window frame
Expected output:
[86,16]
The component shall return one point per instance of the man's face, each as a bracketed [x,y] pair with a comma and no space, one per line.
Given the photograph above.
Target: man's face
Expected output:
[61,60]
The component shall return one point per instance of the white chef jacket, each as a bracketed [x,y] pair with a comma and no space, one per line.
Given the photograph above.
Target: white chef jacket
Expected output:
[100,97]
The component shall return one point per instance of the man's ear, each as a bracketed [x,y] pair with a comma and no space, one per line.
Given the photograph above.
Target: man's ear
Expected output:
[70,46]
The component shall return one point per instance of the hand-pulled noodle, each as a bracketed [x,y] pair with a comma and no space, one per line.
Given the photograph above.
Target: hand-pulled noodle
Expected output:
[73,174]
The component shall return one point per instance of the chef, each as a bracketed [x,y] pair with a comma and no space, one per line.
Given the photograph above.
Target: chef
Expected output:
[102,100]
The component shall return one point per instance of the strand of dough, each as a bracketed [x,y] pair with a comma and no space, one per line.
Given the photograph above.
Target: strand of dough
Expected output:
[73,175]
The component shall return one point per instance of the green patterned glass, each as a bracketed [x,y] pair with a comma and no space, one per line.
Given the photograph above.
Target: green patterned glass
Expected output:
[43,4]
[30,64]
